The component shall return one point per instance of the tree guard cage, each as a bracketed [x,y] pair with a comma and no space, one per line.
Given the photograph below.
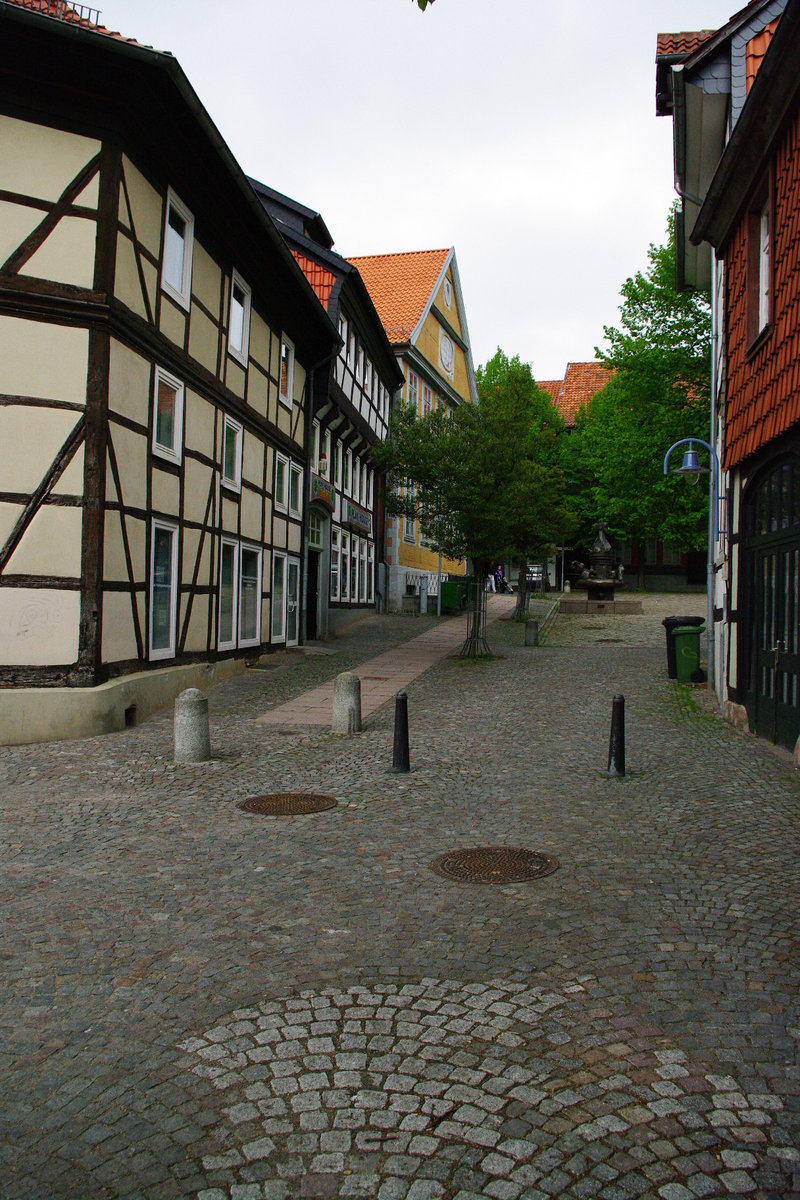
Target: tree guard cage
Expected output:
[476,645]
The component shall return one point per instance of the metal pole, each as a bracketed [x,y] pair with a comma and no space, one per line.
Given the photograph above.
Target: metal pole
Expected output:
[401,760]
[616,745]
[439,592]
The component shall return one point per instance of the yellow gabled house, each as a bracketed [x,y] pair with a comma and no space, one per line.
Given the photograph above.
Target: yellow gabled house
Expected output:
[418,298]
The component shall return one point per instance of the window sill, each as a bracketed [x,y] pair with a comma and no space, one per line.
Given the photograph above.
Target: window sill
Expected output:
[185,302]
[759,341]
[167,456]
[285,401]
[231,485]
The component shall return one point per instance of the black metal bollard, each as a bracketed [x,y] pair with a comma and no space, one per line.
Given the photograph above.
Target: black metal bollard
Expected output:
[401,761]
[616,744]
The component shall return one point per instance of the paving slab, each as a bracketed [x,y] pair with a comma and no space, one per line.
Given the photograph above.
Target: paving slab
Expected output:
[199,1001]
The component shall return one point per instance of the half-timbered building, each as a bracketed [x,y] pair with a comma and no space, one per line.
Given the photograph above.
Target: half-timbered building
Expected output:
[419,300]
[351,398]
[734,95]
[157,341]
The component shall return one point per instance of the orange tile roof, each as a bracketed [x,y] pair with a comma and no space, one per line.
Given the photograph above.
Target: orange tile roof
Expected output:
[682,43]
[60,10]
[756,49]
[553,386]
[320,278]
[582,381]
[400,286]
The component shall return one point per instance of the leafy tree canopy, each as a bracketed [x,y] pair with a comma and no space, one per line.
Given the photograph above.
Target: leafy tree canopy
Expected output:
[483,479]
[658,393]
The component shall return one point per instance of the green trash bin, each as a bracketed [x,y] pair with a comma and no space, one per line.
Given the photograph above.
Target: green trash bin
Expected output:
[687,650]
[451,596]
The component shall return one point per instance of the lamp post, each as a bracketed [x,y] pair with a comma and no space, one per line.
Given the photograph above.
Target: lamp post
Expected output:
[691,470]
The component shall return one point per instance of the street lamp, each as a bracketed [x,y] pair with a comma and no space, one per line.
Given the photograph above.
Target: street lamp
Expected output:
[691,470]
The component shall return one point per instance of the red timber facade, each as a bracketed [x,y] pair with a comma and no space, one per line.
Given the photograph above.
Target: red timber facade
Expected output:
[157,348]
[750,218]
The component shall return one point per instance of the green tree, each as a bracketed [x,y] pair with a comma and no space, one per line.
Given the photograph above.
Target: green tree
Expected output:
[482,480]
[658,392]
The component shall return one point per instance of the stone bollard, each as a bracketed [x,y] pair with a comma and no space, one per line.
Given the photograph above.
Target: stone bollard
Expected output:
[531,632]
[346,703]
[192,741]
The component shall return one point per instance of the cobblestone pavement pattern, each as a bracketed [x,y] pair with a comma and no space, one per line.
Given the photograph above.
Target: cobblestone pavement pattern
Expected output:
[197,1001]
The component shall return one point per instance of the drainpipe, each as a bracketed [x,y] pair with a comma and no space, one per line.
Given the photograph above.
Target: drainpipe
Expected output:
[307,487]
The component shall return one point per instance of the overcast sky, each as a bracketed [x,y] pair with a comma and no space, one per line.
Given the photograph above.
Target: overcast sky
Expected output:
[521,132]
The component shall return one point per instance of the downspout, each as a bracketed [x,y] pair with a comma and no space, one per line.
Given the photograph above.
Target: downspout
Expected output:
[307,486]
[713,489]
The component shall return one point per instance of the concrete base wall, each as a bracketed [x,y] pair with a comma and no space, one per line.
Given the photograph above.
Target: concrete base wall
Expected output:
[55,714]
[577,604]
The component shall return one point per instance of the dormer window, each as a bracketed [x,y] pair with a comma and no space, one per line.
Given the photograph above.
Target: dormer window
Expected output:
[759,265]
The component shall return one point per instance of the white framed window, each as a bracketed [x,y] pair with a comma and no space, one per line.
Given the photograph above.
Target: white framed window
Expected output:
[295,490]
[337,465]
[351,348]
[228,594]
[314,531]
[367,376]
[412,391]
[364,474]
[335,564]
[348,470]
[409,523]
[278,623]
[239,319]
[345,568]
[355,559]
[249,595]
[325,455]
[369,487]
[356,478]
[286,389]
[360,364]
[370,572]
[344,335]
[363,588]
[281,494]
[176,269]
[232,454]
[427,400]
[163,588]
[315,440]
[167,416]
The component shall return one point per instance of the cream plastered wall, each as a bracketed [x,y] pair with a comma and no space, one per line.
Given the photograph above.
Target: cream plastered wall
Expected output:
[259,339]
[31,437]
[165,491]
[198,422]
[279,533]
[67,254]
[131,452]
[294,539]
[191,542]
[51,545]
[38,627]
[16,222]
[115,567]
[206,278]
[235,378]
[197,634]
[230,512]
[147,208]
[173,321]
[119,637]
[257,390]
[40,162]
[127,285]
[129,384]
[9,515]
[253,460]
[197,483]
[203,340]
[58,372]
[251,516]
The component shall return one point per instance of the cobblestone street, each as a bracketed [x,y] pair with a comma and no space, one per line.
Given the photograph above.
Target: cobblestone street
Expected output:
[198,1001]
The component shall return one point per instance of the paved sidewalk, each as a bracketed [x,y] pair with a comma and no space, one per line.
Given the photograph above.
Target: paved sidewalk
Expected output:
[200,1002]
[384,676]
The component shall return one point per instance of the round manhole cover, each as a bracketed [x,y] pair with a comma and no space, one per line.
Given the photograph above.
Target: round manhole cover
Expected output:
[287,804]
[494,864]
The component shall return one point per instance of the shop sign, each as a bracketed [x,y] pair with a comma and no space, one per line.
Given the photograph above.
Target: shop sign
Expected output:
[323,492]
[358,517]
